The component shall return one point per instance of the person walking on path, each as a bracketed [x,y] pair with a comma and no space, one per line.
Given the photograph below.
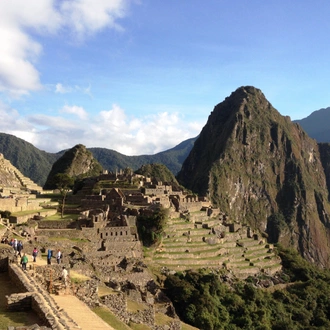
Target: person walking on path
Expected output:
[49,256]
[24,261]
[19,248]
[15,246]
[65,276]
[34,254]
[58,256]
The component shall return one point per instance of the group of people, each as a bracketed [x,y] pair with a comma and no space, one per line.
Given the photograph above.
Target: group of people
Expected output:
[58,256]
[17,245]
[35,252]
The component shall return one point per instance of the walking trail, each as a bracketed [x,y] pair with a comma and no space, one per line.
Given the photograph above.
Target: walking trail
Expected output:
[78,311]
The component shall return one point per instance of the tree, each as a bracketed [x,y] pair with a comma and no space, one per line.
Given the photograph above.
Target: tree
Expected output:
[64,183]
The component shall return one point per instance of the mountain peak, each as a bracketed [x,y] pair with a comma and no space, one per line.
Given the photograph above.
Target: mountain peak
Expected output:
[262,170]
[77,162]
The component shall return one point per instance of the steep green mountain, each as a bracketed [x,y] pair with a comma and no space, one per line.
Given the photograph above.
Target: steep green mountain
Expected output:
[317,125]
[260,168]
[172,158]
[77,162]
[31,161]
[158,171]
[36,164]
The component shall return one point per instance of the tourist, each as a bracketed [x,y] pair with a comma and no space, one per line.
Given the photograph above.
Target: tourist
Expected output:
[19,248]
[24,261]
[64,276]
[58,256]
[15,246]
[49,256]
[34,254]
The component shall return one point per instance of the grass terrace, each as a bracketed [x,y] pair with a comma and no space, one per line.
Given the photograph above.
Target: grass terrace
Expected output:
[21,213]
[57,216]
[107,316]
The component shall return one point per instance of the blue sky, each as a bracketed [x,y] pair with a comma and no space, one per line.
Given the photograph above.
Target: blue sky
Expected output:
[141,76]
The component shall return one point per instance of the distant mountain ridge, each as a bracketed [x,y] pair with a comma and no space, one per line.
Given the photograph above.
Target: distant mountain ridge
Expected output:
[317,125]
[36,164]
[32,162]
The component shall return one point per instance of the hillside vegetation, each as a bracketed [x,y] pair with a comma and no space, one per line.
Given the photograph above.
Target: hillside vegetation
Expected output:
[76,163]
[32,162]
[36,164]
[159,172]
[301,301]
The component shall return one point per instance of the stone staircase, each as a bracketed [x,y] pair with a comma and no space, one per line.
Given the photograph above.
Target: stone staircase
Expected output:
[194,244]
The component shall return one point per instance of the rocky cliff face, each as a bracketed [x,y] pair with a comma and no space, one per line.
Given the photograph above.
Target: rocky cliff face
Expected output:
[262,169]
[77,162]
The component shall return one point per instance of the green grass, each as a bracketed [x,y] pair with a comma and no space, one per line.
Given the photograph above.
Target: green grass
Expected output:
[134,306]
[162,319]
[136,326]
[61,238]
[17,214]
[107,316]
[57,216]
[105,291]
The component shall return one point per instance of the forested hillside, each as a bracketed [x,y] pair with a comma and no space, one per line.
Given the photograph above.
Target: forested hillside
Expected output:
[295,299]
[36,164]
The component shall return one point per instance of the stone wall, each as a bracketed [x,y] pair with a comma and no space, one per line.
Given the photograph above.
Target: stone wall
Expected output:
[109,232]
[19,204]
[190,205]
[117,303]
[87,292]
[30,298]
[128,249]
[61,224]
[24,218]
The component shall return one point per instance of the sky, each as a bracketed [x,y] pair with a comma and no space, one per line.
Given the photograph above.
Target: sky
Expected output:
[141,76]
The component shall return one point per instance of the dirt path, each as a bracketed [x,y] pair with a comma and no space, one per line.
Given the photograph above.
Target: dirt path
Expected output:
[81,313]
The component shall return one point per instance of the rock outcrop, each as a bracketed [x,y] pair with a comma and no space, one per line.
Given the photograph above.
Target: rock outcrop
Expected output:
[260,168]
[78,162]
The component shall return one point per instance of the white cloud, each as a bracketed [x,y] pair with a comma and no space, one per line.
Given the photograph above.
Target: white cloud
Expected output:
[85,17]
[59,88]
[20,52]
[75,110]
[111,129]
